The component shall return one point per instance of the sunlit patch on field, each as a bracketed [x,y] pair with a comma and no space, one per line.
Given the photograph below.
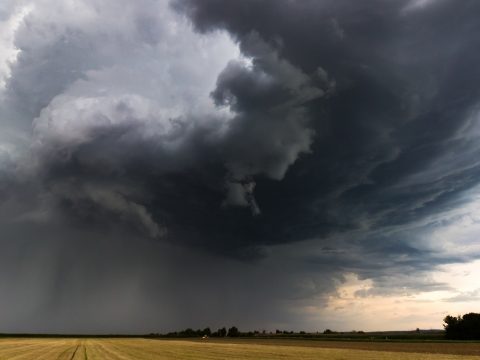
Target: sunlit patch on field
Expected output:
[142,349]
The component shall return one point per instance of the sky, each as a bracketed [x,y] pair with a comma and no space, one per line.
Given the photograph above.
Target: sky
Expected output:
[268,164]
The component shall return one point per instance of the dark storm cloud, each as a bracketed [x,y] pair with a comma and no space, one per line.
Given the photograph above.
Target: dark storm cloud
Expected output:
[391,145]
[334,109]
[344,134]
[406,87]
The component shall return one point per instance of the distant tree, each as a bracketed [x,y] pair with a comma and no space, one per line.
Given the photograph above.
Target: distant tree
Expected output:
[189,332]
[207,331]
[233,332]
[222,332]
[466,327]
[328,331]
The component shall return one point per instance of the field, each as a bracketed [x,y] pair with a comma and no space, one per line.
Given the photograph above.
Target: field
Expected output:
[143,349]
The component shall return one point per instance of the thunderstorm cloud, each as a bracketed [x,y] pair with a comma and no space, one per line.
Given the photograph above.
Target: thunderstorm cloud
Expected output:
[192,163]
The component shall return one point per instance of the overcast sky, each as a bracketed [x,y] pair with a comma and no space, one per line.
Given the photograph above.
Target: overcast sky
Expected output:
[267,164]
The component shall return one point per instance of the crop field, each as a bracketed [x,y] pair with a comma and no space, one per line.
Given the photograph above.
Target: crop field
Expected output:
[143,349]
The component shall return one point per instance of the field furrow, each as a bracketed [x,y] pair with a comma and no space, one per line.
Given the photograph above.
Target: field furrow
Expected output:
[146,349]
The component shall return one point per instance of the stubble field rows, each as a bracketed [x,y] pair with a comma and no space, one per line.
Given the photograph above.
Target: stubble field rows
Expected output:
[143,349]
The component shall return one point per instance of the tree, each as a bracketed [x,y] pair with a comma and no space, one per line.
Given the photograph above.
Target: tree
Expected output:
[466,327]
[222,332]
[233,332]
[189,332]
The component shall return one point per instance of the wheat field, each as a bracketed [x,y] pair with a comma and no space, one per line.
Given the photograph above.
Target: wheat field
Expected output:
[143,349]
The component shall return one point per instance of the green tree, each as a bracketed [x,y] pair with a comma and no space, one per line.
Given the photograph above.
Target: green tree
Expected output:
[222,332]
[233,332]
[466,327]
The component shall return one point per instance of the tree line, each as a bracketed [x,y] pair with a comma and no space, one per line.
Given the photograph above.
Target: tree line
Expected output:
[466,327]
[189,332]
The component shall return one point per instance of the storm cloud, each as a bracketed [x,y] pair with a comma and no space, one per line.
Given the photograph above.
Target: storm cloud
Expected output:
[237,160]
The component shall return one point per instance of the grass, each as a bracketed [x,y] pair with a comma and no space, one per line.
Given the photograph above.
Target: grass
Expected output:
[143,349]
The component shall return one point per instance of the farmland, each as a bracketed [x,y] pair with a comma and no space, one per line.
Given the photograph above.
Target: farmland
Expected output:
[140,349]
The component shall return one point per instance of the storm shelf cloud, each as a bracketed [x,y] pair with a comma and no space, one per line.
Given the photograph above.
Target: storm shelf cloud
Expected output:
[192,163]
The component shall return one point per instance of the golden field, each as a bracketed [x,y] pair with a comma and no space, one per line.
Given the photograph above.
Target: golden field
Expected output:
[143,349]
